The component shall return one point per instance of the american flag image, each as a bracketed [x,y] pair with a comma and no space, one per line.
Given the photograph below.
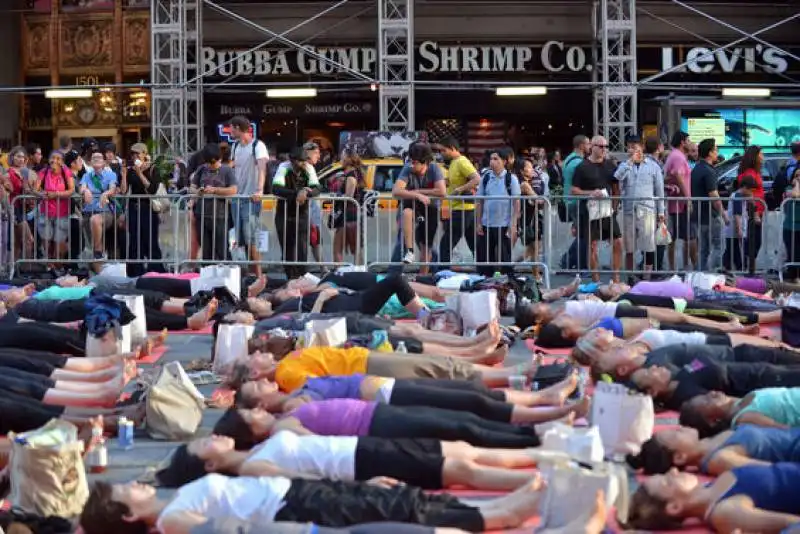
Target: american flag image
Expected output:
[483,135]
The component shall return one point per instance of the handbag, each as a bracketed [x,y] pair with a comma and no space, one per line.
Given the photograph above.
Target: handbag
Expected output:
[790,325]
[107,345]
[599,208]
[231,344]
[229,276]
[580,444]
[569,499]
[46,469]
[325,333]
[625,419]
[663,237]
[477,308]
[174,407]
[704,280]
[161,203]
[137,329]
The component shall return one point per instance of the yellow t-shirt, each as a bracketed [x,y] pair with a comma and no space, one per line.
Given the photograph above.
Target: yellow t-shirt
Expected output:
[457,175]
[292,371]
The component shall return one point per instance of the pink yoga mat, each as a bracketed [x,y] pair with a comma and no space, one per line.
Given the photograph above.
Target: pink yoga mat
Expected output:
[207,330]
[155,355]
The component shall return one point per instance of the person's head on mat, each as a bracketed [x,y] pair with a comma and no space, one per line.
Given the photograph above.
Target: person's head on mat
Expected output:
[262,306]
[256,366]
[197,458]
[709,413]
[612,290]
[278,346]
[534,314]
[654,381]
[120,508]
[618,360]
[674,447]
[593,345]
[247,427]
[562,333]
[662,502]
[261,393]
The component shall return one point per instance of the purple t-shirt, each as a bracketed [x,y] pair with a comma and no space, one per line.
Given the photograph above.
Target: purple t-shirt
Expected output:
[332,387]
[676,290]
[336,417]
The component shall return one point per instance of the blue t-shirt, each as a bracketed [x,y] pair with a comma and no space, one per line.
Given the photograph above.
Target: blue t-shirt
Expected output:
[497,213]
[106,179]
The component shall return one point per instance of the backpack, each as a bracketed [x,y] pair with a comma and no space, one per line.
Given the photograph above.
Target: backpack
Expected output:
[370,201]
[487,175]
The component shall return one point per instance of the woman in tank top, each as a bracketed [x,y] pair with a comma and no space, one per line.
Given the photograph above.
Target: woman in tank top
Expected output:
[752,498]
[715,411]
[683,447]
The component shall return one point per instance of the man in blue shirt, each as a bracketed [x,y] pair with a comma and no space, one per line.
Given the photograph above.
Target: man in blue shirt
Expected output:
[419,181]
[98,186]
[496,220]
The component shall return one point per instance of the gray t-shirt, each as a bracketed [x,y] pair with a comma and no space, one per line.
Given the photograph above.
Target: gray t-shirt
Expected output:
[111,284]
[247,168]
[237,526]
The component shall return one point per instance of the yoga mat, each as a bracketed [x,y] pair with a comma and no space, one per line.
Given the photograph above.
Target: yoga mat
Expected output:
[155,355]
[770,331]
[182,276]
[728,289]
[669,415]
[531,344]
[207,330]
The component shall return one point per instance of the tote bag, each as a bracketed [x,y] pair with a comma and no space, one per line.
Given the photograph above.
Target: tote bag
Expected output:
[229,276]
[230,345]
[325,333]
[137,327]
[174,406]
[625,419]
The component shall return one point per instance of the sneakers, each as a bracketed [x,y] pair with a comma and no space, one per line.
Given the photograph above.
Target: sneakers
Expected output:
[409,257]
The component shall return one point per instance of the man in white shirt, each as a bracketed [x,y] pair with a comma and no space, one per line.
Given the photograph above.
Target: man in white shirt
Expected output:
[250,158]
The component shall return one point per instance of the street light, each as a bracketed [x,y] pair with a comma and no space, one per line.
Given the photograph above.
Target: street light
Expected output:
[747,92]
[68,93]
[521,90]
[307,92]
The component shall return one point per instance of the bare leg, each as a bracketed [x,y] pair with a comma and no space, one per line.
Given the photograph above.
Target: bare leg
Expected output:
[494,377]
[470,474]
[555,395]
[200,320]
[512,510]
[257,287]
[428,292]
[521,414]
[770,317]
[616,258]
[431,336]
[89,365]
[174,306]
[99,397]
[508,458]
[62,375]
[408,229]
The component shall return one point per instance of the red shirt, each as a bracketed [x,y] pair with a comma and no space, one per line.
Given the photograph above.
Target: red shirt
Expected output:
[758,192]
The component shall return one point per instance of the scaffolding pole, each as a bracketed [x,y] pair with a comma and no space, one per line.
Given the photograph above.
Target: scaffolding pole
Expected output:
[177,99]
[396,64]
[616,98]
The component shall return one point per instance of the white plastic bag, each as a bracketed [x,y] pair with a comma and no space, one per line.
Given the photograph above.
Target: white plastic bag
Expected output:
[101,347]
[581,444]
[478,308]
[229,276]
[599,208]
[115,269]
[704,280]
[325,333]
[625,419]
[663,237]
[137,329]
[231,344]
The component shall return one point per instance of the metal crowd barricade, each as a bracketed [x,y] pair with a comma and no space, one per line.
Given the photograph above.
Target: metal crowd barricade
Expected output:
[444,235]
[68,232]
[624,235]
[790,234]
[324,231]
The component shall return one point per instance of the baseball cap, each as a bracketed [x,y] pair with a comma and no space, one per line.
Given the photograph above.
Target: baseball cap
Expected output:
[310,145]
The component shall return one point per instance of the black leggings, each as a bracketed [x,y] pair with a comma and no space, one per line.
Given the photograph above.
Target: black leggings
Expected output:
[33,386]
[448,425]
[174,287]
[410,393]
[374,298]
[357,281]
[41,336]
[683,327]
[20,414]
[714,312]
[32,361]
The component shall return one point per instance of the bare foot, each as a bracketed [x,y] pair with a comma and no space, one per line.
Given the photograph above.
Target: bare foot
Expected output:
[200,320]
[523,503]
[752,329]
[597,522]
[29,289]
[498,355]
[258,286]
[582,407]
[130,371]
[557,394]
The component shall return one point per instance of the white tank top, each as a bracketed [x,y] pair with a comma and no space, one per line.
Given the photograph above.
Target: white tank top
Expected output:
[216,496]
[588,312]
[655,339]
[332,457]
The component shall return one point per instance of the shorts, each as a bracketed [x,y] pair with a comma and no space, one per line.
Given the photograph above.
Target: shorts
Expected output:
[315,237]
[427,222]
[533,231]
[108,217]
[640,231]
[417,462]
[247,220]
[718,339]
[601,229]
[53,228]
[681,227]
[630,312]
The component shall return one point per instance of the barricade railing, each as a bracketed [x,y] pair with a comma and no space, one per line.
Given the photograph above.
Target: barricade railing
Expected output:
[790,234]
[625,235]
[486,233]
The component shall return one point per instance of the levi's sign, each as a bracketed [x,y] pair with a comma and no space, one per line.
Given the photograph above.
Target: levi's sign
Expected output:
[432,57]
[704,60]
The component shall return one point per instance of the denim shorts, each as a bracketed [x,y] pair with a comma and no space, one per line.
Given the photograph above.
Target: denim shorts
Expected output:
[247,221]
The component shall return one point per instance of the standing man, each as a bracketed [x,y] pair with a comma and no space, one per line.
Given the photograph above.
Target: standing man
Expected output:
[594,179]
[497,219]
[711,217]
[250,158]
[417,185]
[677,184]
[462,180]
[693,155]
[642,184]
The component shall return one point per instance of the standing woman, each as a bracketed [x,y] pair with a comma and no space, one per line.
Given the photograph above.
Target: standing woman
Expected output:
[344,220]
[791,226]
[294,184]
[19,183]
[143,222]
[532,186]
[56,185]
[751,164]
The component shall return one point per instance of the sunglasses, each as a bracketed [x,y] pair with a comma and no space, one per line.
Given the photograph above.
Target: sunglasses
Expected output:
[601,146]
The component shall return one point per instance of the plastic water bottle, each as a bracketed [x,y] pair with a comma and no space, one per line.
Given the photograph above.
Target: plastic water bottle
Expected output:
[511,301]
[401,348]
[497,274]
[98,457]
[422,316]
[125,433]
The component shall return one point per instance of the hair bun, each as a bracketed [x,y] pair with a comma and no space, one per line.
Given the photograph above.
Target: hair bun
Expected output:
[634,460]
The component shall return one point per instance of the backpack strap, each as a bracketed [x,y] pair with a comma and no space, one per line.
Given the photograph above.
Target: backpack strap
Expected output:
[508,183]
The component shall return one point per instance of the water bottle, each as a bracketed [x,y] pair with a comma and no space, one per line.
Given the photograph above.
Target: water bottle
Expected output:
[125,433]
[497,274]
[422,316]
[401,348]
[535,386]
[97,459]
[511,301]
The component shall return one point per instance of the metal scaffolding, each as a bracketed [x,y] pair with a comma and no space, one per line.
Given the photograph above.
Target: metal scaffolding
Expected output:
[396,64]
[616,98]
[177,95]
